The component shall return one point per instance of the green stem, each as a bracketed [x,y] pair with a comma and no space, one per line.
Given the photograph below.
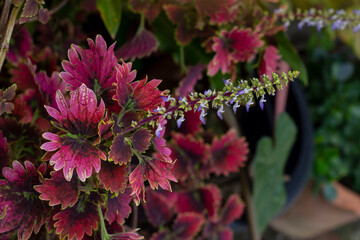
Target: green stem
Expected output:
[6,35]
[104,234]
[141,25]
[182,59]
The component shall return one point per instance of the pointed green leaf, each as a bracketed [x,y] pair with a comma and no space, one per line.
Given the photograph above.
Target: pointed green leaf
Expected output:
[110,11]
[269,164]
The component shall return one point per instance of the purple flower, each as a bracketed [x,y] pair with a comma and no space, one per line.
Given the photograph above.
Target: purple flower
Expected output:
[261,103]
[220,111]
[236,105]
[179,121]
[202,115]
[248,104]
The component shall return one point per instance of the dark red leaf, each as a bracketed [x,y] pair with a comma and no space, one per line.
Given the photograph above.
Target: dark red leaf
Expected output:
[157,208]
[188,152]
[187,225]
[58,190]
[113,176]
[74,222]
[157,172]
[233,209]
[162,235]
[141,140]
[31,8]
[120,150]
[205,198]
[118,207]
[192,124]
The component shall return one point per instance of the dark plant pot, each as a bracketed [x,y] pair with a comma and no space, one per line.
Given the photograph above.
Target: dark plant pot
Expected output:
[257,124]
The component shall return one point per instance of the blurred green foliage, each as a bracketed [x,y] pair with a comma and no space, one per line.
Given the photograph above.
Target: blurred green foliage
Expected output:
[334,96]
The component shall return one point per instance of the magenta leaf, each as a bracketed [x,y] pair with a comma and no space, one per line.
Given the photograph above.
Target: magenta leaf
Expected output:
[188,152]
[232,47]
[233,209]
[118,207]
[220,12]
[192,124]
[138,95]
[187,225]
[120,150]
[141,45]
[95,67]
[80,121]
[22,46]
[74,222]
[59,191]
[270,62]
[126,236]
[205,198]
[113,176]
[20,206]
[141,140]
[3,151]
[187,84]
[228,153]
[157,172]
[49,86]
[157,208]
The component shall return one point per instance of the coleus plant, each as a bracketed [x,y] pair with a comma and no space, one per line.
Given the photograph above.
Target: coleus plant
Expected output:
[107,139]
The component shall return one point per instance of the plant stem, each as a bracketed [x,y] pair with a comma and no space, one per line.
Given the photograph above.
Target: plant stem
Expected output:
[4,15]
[141,25]
[134,215]
[5,40]
[104,233]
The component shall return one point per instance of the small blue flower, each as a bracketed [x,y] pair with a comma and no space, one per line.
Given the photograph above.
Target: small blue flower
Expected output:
[261,103]
[208,92]
[248,104]
[158,130]
[357,12]
[236,105]
[179,121]
[202,115]
[220,112]
[356,28]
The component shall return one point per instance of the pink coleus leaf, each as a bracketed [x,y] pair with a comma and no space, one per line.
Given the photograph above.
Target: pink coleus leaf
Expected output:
[232,47]
[118,207]
[204,198]
[157,172]
[59,191]
[80,120]
[120,150]
[74,222]
[157,208]
[141,45]
[233,209]
[188,153]
[49,86]
[113,176]
[94,67]
[24,75]
[141,140]
[187,84]
[187,225]
[133,235]
[20,206]
[163,152]
[138,95]
[228,153]
[270,62]
[105,129]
